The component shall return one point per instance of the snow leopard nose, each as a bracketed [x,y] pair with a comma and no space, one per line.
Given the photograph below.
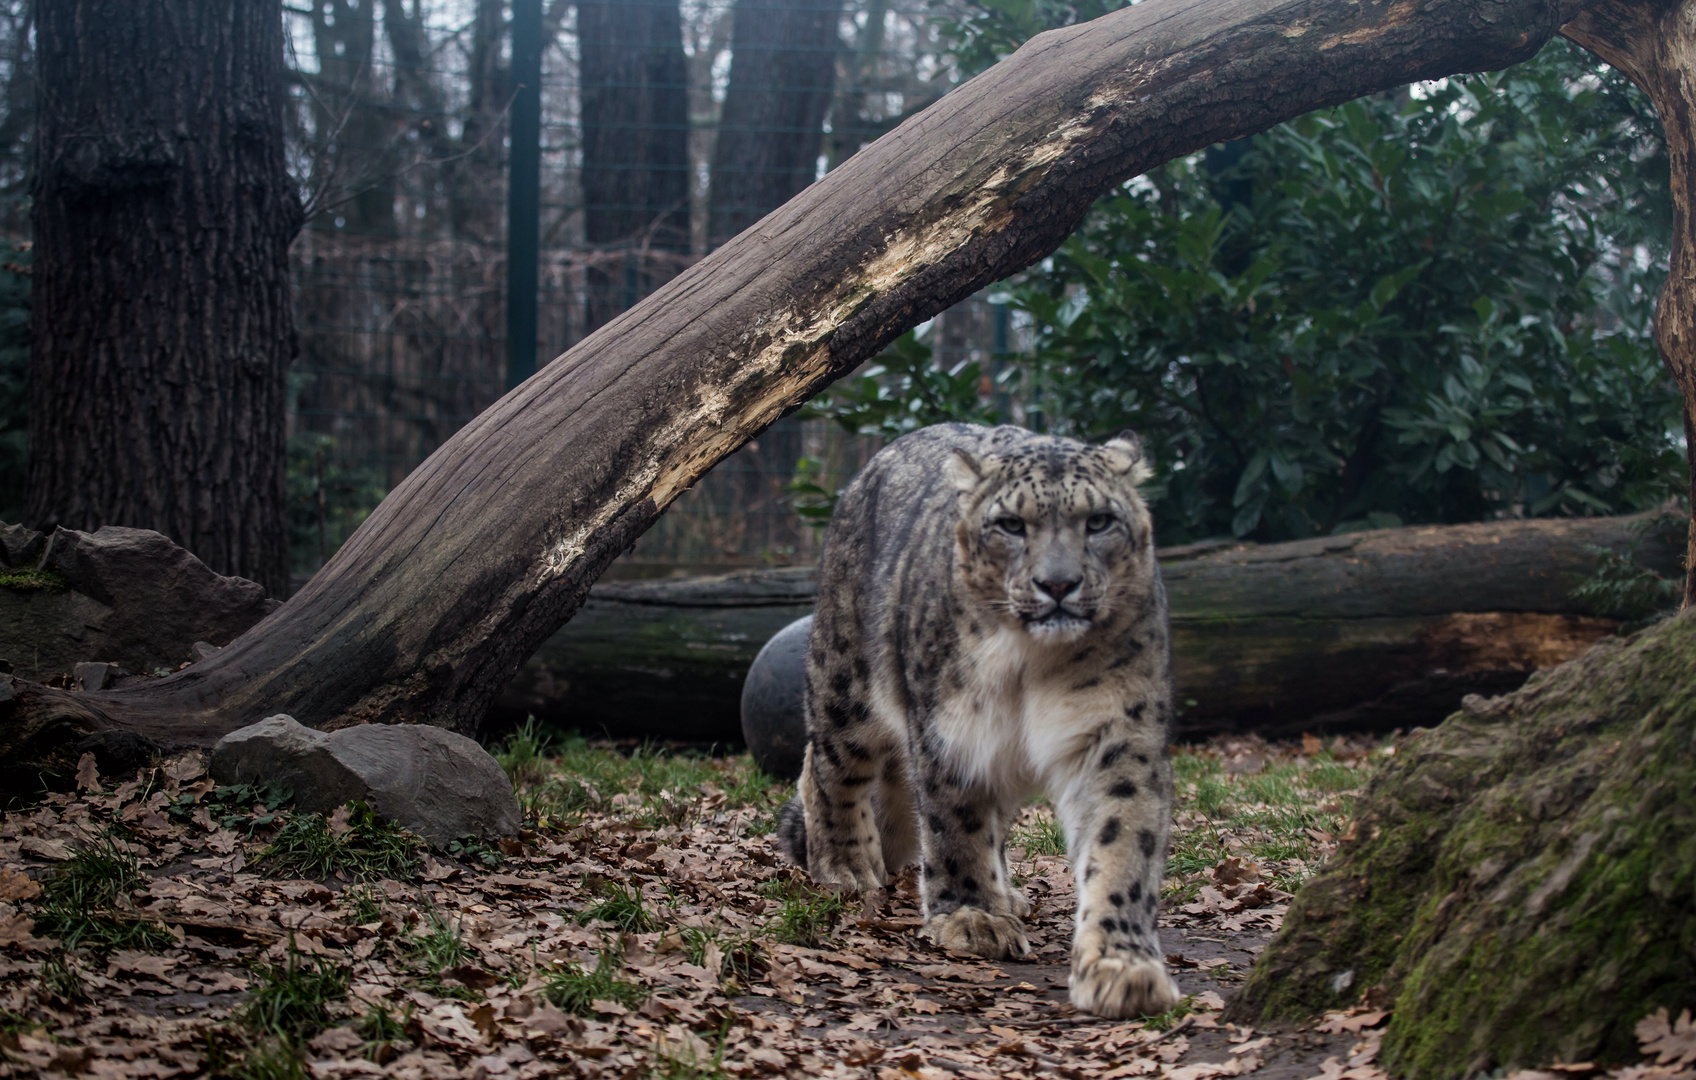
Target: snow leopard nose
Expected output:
[1057,590]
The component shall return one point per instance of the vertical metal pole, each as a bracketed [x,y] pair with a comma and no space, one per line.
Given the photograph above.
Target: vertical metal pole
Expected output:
[523,192]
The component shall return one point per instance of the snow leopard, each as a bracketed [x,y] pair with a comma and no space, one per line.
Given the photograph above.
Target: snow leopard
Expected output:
[990,624]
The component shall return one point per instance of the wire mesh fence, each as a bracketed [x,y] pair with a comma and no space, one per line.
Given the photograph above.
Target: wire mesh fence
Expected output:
[666,127]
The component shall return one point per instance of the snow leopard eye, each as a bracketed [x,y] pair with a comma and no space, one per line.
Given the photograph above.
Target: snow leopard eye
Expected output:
[1010,524]
[1098,522]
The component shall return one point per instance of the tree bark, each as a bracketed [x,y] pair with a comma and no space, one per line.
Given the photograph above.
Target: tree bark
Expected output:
[634,80]
[162,324]
[490,545]
[1654,44]
[782,73]
[1370,630]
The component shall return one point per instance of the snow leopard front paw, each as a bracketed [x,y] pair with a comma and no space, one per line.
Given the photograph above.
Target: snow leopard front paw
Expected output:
[859,874]
[974,930]
[1119,989]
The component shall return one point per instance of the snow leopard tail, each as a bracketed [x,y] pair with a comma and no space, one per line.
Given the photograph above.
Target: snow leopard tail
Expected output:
[792,831]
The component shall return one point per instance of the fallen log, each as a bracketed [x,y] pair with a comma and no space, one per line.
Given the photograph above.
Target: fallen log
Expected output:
[1371,630]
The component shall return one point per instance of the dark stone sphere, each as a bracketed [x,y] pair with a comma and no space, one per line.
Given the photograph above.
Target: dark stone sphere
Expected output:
[772,723]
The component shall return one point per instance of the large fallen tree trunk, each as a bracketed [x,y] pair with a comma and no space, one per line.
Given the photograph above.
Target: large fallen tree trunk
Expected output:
[1371,630]
[489,546]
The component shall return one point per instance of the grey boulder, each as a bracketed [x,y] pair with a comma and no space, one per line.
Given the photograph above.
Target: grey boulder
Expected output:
[121,596]
[440,785]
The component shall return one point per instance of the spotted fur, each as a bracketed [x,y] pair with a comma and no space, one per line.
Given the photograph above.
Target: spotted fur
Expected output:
[991,622]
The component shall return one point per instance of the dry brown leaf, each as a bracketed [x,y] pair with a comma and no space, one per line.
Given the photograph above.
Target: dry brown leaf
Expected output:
[17,885]
[337,1040]
[339,823]
[16,929]
[88,774]
[186,768]
[1670,1042]
[42,848]
[1341,1022]
[962,972]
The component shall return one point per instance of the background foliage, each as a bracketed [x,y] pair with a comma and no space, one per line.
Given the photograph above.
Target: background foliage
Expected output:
[1425,306]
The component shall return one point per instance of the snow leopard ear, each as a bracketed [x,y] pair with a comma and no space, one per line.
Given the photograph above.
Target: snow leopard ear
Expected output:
[964,471]
[1125,456]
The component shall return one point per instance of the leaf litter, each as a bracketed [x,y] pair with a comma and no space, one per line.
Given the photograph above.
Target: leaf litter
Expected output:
[642,925]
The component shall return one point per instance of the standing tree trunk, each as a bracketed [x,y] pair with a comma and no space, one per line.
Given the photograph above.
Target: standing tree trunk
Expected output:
[161,326]
[488,547]
[1655,45]
[634,80]
[475,178]
[782,73]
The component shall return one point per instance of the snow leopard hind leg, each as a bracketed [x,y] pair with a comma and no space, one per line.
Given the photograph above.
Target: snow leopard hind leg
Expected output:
[850,823]
[892,810]
[1116,809]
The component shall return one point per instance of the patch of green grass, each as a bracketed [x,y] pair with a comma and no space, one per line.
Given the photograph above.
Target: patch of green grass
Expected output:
[382,1031]
[81,902]
[1212,796]
[29,579]
[60,978]
[743,958]
[1268,816]
[276,1058]
[14,1023]
[684,1061]
[668,808]
[806,914]
[1041,834]
[1329,775]
[524,754]
[574,988]
[1164,1021]
[439,947]
[558,780]
[361,905]
[564,797]
[357,844]
[621,906]
[291,1000]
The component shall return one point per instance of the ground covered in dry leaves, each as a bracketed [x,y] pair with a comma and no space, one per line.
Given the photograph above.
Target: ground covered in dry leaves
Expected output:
[644,925]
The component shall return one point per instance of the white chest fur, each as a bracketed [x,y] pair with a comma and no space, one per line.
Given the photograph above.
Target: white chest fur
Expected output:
[1021,717]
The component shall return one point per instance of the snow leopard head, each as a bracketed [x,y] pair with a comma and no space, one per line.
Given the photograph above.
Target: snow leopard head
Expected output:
[1053,536]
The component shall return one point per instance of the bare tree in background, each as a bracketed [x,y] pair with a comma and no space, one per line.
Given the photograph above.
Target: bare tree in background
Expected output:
[635,116]
[350,116]
[782,73]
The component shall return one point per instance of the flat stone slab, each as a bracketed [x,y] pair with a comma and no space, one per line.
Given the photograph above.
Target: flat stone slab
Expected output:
[439,785]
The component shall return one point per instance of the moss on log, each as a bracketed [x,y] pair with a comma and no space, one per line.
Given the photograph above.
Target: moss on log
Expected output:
[1518,881]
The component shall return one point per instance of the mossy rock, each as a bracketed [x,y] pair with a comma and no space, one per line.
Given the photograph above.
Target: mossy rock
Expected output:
[1520,882]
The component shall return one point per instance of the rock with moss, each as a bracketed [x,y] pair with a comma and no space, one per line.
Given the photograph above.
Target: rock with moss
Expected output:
[124,596]
[1517,886]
